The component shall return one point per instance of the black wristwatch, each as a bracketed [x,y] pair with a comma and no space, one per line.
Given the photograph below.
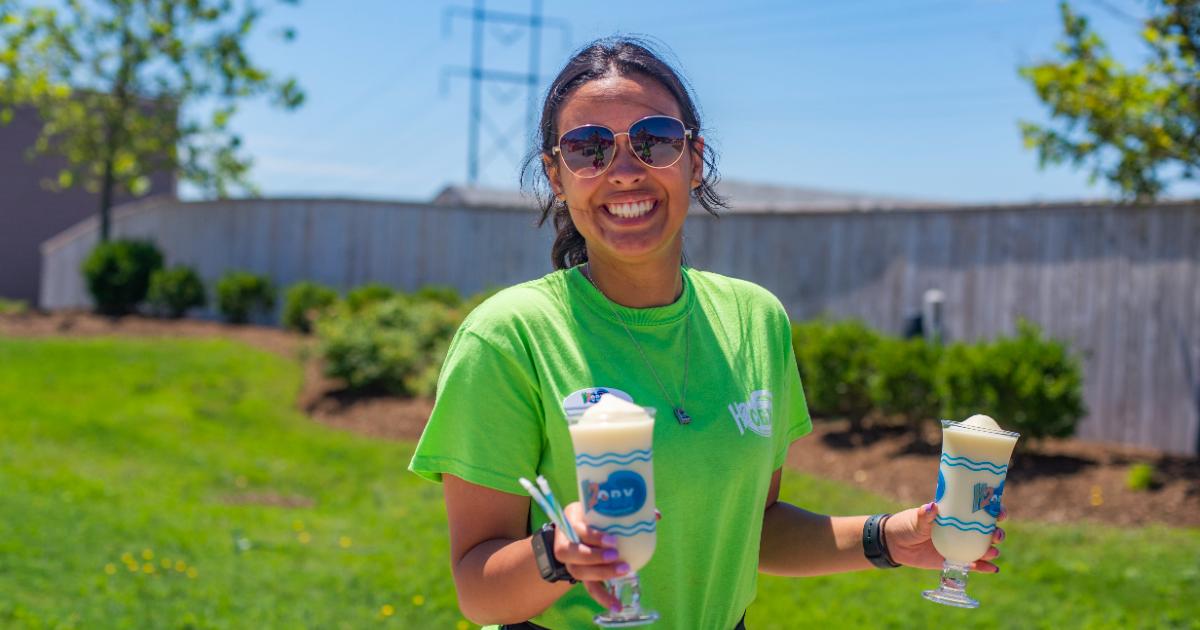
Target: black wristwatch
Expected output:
[543,551]
[874,545]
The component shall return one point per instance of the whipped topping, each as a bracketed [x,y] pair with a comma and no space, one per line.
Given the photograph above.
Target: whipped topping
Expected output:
[980,421]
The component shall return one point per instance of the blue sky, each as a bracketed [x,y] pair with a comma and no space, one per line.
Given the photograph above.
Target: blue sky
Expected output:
[917,98]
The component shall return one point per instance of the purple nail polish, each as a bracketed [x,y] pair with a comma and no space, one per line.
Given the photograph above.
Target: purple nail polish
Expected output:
[609,555]
[609,540]
[622,569]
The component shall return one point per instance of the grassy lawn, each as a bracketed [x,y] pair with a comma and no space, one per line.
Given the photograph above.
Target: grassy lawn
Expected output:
[156,484]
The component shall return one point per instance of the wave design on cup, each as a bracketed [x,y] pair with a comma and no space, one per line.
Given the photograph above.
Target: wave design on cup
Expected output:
[631,529]
[966,526]
[620,459]
[970,464]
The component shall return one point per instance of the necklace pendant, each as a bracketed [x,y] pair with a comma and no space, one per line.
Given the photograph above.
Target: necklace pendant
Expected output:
[682,416]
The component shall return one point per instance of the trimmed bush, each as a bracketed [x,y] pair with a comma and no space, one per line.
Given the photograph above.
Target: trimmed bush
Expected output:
[176,290]
[1141,477]
[118,273]
[360,297]
[304,302]
[444,295]
[241,294]
[1029,384]
[904,379]
[835,361]
[395,346]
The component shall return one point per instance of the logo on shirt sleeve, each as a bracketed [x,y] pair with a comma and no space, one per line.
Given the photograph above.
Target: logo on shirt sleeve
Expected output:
[754,414]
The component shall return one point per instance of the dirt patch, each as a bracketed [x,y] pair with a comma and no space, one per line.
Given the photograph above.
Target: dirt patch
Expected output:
[1057,481]
[270,499]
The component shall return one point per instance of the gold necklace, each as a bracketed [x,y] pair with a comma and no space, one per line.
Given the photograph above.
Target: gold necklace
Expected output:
[680,414]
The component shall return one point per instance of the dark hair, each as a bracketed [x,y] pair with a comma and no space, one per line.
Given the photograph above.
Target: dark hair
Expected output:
[623,56]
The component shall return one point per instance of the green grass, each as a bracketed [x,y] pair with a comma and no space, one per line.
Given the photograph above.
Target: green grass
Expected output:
[114,447]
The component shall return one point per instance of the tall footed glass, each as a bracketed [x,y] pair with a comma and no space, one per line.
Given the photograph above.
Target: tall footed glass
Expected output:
[974,464]
[613,464]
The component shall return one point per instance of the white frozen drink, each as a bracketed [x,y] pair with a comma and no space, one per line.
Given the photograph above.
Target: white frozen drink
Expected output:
[971,475]
[613,463]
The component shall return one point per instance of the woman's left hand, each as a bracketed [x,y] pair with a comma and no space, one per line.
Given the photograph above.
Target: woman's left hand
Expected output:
[907,535]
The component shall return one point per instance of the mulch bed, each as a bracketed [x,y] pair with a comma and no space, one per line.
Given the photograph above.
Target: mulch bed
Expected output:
[1064,481]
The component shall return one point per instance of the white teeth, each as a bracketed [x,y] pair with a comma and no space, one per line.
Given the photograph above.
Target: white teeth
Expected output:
[630,210]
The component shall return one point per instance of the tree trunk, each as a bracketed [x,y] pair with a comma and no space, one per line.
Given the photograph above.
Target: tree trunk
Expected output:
[106,193]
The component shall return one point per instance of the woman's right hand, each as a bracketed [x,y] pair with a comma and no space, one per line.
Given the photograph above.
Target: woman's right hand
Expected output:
[593,559]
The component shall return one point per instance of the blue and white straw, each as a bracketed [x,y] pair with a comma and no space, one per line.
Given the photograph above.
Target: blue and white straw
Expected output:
[545,486]
[555,517]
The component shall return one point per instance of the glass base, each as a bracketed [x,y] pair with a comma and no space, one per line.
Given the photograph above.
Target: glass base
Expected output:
[614,620]
[629,591]
[952,592]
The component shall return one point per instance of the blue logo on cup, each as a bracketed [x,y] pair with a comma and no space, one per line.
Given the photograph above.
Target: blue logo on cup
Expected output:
[941,487]
[987,498]
[622,494]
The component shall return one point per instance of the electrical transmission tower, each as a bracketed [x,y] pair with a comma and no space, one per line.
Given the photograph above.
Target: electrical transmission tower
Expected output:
[478,74]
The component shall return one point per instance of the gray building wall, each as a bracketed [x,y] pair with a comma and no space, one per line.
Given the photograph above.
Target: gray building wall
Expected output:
[1121,285]
[30,214]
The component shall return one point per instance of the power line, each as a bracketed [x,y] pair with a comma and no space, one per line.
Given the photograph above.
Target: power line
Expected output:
[477,73]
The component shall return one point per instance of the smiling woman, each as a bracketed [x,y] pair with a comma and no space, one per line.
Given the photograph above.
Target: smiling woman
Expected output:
[621,156]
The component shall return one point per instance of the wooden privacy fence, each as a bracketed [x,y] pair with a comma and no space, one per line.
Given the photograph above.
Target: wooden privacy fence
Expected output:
[1120,284]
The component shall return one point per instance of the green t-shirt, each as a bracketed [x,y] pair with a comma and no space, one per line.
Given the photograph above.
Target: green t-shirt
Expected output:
[533,348]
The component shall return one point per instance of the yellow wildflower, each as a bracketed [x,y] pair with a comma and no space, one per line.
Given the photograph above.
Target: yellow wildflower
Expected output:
[387,610]
[126,557]
[110,568]
[147,554]
[180,566]
[344,542]
[147,568]
[462,624]
[298,525]
[418,600]
[304,537]
[191,572]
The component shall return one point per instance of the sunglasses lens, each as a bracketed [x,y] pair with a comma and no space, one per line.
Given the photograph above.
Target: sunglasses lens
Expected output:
[587,150]
[658,141]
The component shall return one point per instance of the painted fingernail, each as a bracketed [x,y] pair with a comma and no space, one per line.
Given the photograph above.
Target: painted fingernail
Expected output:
[615,607]
[997,568]
[609,540]
[622,569]
[609,555]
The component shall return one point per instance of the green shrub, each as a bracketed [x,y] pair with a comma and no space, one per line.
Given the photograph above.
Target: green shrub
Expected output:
[176,290]
[118,273]
[1029,384]
[13,307]
[444,295]
[240,294]
[903,379]
[1141,477]
[304,302]
[360,297]
[835,361]
[395,346]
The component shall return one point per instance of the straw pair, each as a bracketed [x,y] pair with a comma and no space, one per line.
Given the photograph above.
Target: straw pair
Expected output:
[545,499]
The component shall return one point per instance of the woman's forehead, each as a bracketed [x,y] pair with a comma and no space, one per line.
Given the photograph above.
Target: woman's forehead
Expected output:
[616,102]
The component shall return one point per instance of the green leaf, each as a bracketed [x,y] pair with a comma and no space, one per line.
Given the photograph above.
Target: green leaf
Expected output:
[65,178]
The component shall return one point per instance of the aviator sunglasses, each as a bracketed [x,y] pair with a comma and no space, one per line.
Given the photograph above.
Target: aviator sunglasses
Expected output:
[588,150]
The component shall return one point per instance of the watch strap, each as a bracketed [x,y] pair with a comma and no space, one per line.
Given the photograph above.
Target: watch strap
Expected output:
[543,552]
[874,544]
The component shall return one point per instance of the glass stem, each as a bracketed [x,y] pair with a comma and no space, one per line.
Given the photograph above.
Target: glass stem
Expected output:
[629,591]
[954,576]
